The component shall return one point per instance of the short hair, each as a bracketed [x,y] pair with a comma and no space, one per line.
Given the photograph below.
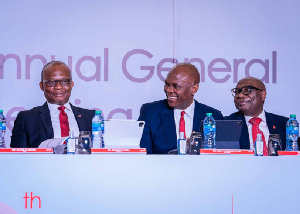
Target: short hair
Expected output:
[259,83]
[192,69]
[50,64]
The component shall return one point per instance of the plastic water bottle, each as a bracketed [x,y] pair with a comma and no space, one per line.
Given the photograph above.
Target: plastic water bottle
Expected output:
[181,144]
[259,146]
[209,131]
[71,143]
[292,133]
[2,129]
[98,130]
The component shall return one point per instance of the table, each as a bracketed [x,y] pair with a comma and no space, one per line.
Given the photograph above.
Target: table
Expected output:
[149,183]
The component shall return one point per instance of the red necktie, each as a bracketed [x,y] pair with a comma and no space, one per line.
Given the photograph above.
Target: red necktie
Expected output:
[255,121]
[182,124]
[64,123]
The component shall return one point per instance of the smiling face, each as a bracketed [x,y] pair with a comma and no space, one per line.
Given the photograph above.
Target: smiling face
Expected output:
[180,87]
[57,94]
[252,104]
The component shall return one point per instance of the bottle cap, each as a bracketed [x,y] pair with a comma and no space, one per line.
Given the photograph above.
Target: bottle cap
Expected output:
[293,115]
[1,111]
[208,114]
[97,112]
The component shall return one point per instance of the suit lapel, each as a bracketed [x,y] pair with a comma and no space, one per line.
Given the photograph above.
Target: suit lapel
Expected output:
[167,120]
[198,115]
[271,123]
[79,118]
[46,120]
[244,139]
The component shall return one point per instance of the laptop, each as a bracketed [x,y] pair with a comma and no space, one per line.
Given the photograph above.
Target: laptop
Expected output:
[123,133]
[228,133]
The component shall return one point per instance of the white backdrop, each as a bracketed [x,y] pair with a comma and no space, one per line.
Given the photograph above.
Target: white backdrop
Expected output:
[120,51]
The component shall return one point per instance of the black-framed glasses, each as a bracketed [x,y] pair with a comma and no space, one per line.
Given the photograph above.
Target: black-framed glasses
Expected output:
[246,90]
[52,83]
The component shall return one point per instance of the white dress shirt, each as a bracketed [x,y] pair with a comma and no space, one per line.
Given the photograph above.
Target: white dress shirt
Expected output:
[262,126]
[54,113]
[188,119]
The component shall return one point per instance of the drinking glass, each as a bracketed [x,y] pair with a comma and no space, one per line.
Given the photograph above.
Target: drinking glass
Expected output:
[195,143]
[84,142]
[274,144]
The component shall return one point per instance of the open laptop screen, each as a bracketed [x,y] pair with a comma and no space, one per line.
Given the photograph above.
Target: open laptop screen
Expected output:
[123,133]
[228,133]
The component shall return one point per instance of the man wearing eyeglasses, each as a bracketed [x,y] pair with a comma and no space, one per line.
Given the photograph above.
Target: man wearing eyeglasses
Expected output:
[57,116]
[165,119]
[249,98]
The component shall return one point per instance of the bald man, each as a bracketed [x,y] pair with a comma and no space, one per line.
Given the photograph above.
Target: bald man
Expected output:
[163,117]
[249,98]
[57,116]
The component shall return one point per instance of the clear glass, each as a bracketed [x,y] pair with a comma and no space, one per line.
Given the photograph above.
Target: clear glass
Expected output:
[274,144]
[84,142]
[195,143]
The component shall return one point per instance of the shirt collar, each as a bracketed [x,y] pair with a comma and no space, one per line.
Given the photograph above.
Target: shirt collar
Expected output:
[262,116]
[189,111]
[53,107]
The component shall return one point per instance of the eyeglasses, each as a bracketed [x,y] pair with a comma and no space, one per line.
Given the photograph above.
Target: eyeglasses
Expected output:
[246,90]
[52,83]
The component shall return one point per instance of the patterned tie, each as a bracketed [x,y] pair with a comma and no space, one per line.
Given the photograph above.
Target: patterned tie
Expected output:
[255,121]
[64,123]
[182,124]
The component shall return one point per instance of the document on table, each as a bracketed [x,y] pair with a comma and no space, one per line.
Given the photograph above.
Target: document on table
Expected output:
[52,143]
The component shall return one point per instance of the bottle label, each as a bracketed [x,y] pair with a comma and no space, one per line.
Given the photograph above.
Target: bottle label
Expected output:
[259,147]
[71,146]
[2,125]
[102,127]
[291,130]
[209,128]
[181,146]
[96,126]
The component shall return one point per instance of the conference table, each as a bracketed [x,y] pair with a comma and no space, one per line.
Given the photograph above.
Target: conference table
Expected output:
[134,183]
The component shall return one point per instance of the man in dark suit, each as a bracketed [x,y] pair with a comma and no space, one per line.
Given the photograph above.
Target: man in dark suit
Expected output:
[163,118]
[249,98]
[57,116]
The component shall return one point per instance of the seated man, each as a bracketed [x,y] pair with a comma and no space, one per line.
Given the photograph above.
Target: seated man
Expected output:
[249,98]
[57,116]
[178,113]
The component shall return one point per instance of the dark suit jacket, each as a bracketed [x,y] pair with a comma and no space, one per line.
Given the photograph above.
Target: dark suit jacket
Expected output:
[159,135]
[34,126]
[276,125]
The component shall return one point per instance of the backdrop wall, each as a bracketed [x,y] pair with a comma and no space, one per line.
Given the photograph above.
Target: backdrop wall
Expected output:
[121,51]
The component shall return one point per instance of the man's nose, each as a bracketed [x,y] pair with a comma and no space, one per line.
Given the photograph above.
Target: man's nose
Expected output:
[240,95]
[169,88]
[58,85]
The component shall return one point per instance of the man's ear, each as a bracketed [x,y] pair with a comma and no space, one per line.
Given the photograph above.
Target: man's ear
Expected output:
[194,88]
[41,86]
[263,95]
[72,84]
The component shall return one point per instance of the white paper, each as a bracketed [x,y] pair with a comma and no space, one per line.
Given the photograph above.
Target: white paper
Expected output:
[52,143]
